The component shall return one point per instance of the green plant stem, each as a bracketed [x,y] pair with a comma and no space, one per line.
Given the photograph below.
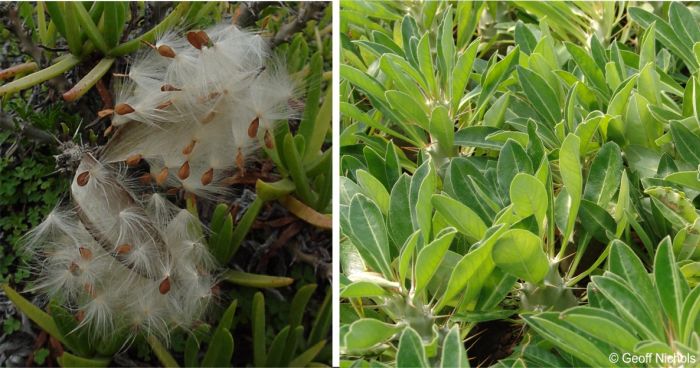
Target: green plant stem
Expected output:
[42,75]
[244,226]
[170,20]
[161,352]
[580,251]
[89,80]
[255,280]
[602,257]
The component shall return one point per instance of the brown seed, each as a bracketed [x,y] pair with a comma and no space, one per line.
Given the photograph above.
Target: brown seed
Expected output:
[83,178]
[172,191]
[90,290]
[164,285]
[74,268]
[164,105]
[167,51]
[123,109]
[268,140]
[108,131]
[208,176]
[208,117]
[198,39]
[184,171]
[253,128]
[194,40]
[80,316]
[105,113]
[146,178]
[134,160]
[162,175]
[85,253]
[188,148]
[123,249]
[240,161]
[169,88]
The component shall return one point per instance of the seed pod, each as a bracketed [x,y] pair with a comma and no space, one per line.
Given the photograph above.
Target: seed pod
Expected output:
[134,160]
[162,176]
[253,128]
[123,109]
[83,178]
[184,171]
[164,286]
[208,176]
[167,51]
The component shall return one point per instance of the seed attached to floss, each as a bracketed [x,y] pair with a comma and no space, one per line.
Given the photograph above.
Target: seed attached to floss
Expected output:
[169,88]
[123,249]
[160,179]
[240,162]
[253,128]
[145,179]
[134,160]
[188,148]
[105,113]
[164,105]
[208,176]
[80,316]
[90,290]
[85,253]
[74,268]
[83,178]
[164,286]
[208,117]
[123,109]
[167,51]
[184,171]
[198,39]
[268,140]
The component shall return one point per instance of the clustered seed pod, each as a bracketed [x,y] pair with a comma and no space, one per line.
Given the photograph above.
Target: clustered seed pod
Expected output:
[120,261]
[197,107]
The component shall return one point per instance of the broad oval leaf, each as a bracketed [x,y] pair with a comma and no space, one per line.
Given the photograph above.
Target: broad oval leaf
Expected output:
[368,332]
[411,352]
[529,197]
[368,234]
[520,253]
[604,175]
[512,160]
[460,216]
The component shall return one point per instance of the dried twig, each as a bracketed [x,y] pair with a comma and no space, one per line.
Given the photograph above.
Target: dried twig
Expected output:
[29,131]
[307,12]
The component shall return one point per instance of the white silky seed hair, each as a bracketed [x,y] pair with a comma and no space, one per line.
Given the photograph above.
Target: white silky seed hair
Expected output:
[197,106]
